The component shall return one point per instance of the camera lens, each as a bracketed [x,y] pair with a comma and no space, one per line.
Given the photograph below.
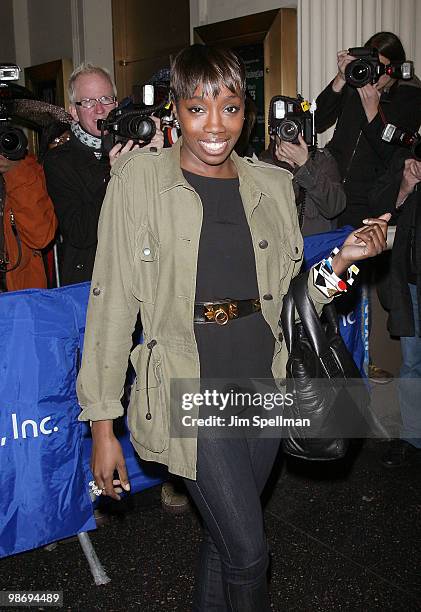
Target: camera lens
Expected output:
[358,73]
[9,142]
[13,143]
[288,130]
[141,128]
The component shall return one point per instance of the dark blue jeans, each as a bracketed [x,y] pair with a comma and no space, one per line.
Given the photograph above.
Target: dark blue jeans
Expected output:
[410,380]
[231,475]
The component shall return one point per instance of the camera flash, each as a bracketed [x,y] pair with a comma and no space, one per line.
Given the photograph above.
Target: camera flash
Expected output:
[279,109]
[148,95]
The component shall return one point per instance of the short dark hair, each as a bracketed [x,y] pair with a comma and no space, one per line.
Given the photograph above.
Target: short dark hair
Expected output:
[387,44]
[208,67]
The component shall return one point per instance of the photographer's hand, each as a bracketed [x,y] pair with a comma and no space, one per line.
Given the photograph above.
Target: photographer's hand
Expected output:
[343,60]
[7,164]
[411,177]
[158,140]
[294,154]
[370,98]
[120,149]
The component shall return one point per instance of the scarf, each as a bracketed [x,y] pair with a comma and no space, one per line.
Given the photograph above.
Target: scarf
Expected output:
[87,139]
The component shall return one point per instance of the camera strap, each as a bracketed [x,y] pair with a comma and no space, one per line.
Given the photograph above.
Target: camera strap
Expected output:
[4,260]
[382,115]
[383,118]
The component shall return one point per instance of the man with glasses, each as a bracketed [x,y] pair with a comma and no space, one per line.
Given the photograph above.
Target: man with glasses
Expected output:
[77,171]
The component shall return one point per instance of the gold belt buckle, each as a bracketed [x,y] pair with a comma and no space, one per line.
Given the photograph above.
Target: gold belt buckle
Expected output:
[221,316]
[218,315]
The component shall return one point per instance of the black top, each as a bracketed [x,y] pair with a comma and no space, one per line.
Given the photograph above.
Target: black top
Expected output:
[226,265]
[226,268]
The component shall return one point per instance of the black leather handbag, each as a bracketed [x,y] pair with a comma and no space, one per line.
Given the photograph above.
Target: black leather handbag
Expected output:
[325,384]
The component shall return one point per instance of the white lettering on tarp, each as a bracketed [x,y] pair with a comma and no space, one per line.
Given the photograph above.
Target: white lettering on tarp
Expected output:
[348,319]
[29,428]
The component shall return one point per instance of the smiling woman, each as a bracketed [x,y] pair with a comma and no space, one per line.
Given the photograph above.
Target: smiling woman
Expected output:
[208,88]
[204,244]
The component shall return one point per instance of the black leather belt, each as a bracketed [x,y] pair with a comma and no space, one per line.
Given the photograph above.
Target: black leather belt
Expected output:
[225,310]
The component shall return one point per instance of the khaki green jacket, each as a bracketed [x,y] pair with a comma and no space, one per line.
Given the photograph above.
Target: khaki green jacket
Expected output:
[146,261]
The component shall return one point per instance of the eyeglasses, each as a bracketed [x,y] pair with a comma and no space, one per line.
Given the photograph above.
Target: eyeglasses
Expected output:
[90,102]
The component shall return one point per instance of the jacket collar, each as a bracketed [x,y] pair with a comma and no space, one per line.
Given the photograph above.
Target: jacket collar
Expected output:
[172,176]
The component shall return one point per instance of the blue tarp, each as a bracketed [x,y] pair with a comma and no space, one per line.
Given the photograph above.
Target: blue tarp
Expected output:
[44,450]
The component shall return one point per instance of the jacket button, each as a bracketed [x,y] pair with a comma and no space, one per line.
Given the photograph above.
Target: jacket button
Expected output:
[146,251]
[96,291]
[281,337]
[268,296]
[79,267]
[153,149]
[263,244]
[296,250]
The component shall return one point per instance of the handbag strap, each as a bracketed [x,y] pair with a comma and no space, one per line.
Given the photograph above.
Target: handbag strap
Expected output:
[287,320]
[299,299]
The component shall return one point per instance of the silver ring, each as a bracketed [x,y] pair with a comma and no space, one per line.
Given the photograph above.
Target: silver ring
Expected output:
[95,489]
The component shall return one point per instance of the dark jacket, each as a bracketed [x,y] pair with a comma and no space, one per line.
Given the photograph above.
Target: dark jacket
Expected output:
[357,146]
[76,182]
[319,194]
[408,232]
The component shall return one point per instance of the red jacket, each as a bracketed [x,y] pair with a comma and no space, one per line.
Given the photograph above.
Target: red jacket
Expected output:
[28,202]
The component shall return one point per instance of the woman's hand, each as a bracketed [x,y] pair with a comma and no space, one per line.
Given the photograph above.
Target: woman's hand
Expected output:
[120,149]
[107,457]
[370,98]
[294,154]
[368,241]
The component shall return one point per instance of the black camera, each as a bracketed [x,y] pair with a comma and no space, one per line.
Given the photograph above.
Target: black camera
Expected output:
[367,68]
[13,142]
[289,117]
[409,140]
[132,120]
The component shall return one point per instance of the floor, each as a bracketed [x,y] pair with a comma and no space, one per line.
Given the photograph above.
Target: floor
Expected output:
[342,538]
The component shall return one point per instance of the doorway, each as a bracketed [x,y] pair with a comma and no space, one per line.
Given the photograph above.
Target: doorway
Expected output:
[267,43]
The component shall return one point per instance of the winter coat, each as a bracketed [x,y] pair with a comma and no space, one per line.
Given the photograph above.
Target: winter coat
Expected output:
[319,194]
[29,219]
[408,231]
[76,182]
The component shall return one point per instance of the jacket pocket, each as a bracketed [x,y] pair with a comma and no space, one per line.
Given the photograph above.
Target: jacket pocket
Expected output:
[147,412]
[290,252]
[146,267]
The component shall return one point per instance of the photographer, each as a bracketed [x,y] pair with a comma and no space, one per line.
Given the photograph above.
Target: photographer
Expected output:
[77,171]
[319,195]
[400,192]
[361,113]
[27,224]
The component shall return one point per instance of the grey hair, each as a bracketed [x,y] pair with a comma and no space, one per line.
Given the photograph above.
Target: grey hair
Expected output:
[87,68]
